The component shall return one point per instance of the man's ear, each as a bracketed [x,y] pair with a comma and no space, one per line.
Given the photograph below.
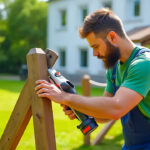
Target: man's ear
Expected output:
[112,37]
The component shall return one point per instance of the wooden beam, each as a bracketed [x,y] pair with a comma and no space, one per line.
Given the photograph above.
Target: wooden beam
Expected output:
[41,108]
[86,91]
[104,131]
[18,120]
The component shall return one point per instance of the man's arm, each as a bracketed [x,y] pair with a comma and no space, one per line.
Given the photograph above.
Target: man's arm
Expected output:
[106,107]
[106,94]
[114,107]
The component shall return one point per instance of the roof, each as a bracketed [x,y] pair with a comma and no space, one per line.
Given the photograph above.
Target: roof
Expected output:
[140,34]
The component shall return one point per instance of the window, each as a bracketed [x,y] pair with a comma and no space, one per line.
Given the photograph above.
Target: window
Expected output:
[133,9]
[62,57]
[83,57]
[63,18]
[84,12]
[107,4]
[136,8]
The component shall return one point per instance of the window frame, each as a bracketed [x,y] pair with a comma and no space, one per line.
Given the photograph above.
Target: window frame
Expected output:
[60,57]
[80,13]
[107,1]
[84,49]
[131,10]
[60,26]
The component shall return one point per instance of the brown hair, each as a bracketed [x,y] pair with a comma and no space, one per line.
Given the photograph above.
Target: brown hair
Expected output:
[102,21]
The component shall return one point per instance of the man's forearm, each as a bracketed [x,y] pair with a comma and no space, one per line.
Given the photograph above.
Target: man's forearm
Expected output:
[98,107]
[102,120]
[114,107]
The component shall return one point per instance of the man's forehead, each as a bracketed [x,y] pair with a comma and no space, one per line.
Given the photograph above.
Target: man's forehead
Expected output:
[91,38]
[91,35]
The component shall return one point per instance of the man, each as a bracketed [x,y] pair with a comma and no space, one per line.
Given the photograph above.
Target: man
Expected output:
[128,81]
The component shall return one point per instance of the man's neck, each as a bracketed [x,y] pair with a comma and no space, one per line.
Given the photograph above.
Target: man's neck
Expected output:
[126,48]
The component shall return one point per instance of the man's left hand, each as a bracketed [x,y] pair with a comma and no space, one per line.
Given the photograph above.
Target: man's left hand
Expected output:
[48,90]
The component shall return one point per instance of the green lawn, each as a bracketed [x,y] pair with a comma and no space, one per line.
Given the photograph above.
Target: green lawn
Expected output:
[68,137]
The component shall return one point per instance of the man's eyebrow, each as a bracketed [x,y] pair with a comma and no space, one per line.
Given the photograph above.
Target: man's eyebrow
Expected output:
[93,45]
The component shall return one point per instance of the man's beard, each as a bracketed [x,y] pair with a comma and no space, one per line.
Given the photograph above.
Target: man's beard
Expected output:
[112,55]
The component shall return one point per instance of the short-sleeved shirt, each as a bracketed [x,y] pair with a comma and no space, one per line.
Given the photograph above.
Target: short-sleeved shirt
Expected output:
[137,78]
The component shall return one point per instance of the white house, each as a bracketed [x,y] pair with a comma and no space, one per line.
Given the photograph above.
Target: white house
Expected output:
[64,18]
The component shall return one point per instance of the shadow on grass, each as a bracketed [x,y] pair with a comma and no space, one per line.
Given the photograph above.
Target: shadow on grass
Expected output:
[107,144]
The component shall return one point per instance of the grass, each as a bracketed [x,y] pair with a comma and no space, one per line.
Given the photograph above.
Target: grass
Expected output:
[67,136]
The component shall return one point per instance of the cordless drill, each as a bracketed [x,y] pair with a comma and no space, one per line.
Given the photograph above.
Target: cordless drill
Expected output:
[88,124]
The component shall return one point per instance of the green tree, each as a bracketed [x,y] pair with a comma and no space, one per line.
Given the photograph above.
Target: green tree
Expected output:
[26,29]
[4,42]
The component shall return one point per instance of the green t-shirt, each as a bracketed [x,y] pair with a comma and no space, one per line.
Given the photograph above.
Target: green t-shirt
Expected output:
[137,78]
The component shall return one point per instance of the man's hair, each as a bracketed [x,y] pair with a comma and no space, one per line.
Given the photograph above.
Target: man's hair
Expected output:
[102,21]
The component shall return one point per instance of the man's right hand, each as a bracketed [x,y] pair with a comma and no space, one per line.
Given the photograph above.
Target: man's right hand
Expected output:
[68,112]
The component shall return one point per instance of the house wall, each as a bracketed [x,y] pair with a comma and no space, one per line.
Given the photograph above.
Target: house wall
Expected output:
[68,37]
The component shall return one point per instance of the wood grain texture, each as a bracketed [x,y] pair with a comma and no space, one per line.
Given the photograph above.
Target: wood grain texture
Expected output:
[86,91]
[18,120]
[41,108]
[103,132]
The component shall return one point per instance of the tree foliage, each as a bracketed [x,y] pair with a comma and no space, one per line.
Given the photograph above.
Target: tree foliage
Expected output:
[3,35]
[26,25]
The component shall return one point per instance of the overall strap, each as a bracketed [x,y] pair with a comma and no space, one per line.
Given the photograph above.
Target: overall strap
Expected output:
[142,50]
[115,88]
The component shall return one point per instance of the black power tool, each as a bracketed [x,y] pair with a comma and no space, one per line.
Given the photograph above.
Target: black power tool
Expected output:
[88,124]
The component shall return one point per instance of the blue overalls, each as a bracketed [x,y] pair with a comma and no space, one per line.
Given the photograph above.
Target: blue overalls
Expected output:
[136,127]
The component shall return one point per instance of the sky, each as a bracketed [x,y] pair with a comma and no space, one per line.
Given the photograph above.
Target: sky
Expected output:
[1,6]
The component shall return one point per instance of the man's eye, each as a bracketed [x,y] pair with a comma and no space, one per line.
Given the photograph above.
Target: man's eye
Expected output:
[95,46]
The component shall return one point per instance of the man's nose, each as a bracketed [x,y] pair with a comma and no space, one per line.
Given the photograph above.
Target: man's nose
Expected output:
[95,53]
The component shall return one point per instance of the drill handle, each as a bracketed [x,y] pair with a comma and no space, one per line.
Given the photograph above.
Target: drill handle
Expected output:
[88,124]
[69,88]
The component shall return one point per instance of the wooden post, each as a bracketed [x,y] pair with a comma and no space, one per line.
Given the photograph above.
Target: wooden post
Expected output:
[18,120]
[30,104]
[86,92]
[101,135]
[41,108]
